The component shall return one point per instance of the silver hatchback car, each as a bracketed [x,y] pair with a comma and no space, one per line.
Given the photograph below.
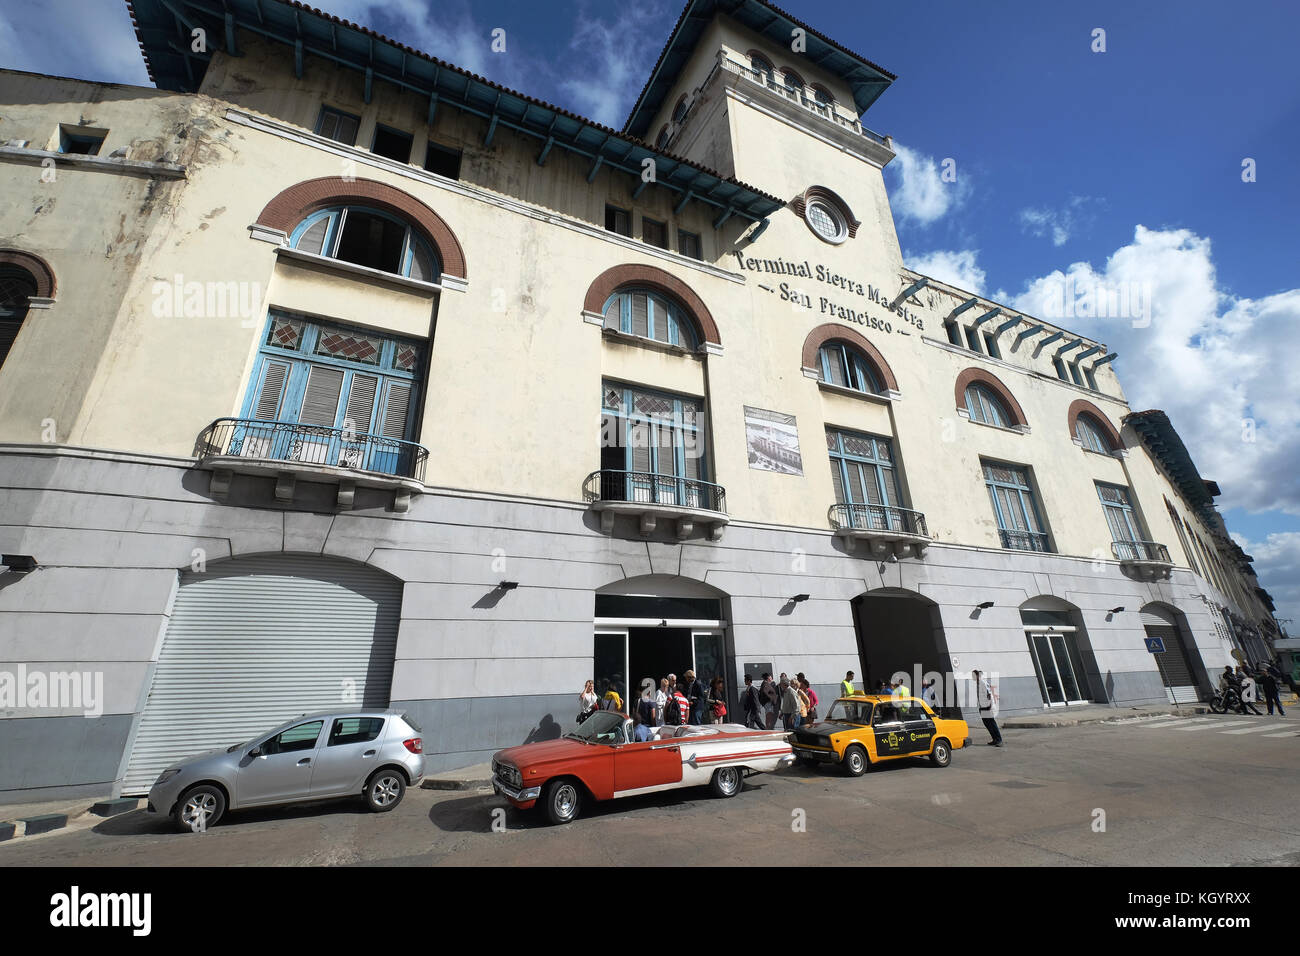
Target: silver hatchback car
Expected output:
[377,754]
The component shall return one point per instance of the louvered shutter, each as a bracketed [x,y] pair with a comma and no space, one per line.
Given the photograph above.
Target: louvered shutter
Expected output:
[268,398]
[320,405]
[397,407]
[837,478]
[640,315]
[313,239]
[361,404]
[253,642]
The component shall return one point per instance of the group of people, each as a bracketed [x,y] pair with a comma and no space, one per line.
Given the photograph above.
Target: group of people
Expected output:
[1247,684]
[792,700]
[675,701]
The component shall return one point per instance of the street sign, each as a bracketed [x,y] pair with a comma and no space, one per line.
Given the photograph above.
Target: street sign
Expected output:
[1155,645]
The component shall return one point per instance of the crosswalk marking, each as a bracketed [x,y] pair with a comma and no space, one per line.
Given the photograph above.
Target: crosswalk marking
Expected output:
[1289,733]
[1254,729]
[1198,725]
[1161,722]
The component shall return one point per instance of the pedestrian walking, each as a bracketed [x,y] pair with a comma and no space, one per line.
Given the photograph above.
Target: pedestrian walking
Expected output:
[771,701]
[988,699]
[698,695]
[812,698]
[1268,683]
[751,704]
[789,703]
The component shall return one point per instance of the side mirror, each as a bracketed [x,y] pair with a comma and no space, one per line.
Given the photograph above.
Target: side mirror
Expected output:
[255,752]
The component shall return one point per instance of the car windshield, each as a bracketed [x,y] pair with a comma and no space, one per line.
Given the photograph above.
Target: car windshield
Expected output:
[602,727]
[850,712]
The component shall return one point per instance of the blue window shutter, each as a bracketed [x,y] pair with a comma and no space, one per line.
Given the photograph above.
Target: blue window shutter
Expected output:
[361,403]
[397,408]
[274,376]
[320,403]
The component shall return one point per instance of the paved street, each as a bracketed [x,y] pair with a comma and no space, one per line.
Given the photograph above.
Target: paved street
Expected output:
[1188,791]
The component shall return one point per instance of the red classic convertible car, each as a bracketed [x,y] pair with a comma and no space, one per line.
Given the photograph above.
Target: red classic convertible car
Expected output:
[601,761]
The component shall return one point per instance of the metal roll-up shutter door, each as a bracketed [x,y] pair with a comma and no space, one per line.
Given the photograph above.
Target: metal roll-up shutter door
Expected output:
[256,641]
[1175,669]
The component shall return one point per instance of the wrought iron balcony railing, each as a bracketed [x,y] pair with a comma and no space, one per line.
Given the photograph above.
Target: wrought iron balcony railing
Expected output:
[802,97]
[311,445]
[884,518]
[1024,540]
[1141,551]
[647,488]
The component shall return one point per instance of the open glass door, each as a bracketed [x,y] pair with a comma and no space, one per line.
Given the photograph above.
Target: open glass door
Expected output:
[709,663]
[610,664]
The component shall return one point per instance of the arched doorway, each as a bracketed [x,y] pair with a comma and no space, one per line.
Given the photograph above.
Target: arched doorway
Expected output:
[1061,653]
[255,641]
[17,286]
[1180,666]
[657,624]
[900,631]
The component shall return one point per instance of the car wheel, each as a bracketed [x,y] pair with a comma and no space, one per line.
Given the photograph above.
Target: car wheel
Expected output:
[941,755]
[384,790]
[726,781]
[855,760]
[199,808]
[562,800]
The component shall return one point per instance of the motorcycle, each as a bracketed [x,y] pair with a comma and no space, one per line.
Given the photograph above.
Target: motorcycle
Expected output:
[1224,701]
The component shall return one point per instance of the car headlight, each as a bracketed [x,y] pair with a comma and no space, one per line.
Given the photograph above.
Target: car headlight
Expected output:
[165,776]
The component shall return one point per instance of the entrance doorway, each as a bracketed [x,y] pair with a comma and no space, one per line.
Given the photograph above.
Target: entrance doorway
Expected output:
[1059,649]
[901,631]
[1177,666]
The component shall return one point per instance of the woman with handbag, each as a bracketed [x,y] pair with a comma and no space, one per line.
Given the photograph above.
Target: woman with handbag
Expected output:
[587,701]
[812,698]
[717,701]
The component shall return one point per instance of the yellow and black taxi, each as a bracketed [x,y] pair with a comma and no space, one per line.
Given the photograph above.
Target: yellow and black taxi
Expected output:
[860,730]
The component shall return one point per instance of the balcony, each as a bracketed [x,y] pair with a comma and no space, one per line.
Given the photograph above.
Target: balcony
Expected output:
[291,450]
[1025,541]
[886,530]
[806,103]
[649,497]
[1147,559]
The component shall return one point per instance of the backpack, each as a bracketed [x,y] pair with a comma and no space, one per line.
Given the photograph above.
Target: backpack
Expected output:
[673,712]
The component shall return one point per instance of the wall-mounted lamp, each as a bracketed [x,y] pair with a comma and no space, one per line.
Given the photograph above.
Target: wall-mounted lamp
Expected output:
[508,585]
[1115,610]
[18,563]
[985,606]
[798,598]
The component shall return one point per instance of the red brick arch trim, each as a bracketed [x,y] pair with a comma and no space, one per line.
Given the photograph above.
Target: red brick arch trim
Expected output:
[829,332]
[991,381]
[46,284]
[1081,406]
[296,203]
[615,278]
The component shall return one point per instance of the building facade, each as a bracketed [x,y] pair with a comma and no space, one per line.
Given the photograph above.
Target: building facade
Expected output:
[335,373]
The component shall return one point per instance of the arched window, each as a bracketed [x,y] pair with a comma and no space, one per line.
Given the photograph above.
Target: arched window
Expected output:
[368,237]
[662,139]
[843,365]
[793,83]
[680,110]
[1091,434]
[17,286]
[650,315]
[762,68]
[823,95]
[986,407]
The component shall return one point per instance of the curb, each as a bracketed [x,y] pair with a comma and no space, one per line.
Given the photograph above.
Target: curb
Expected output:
[1095,719]
[111,808]
[448,784]
[43,823]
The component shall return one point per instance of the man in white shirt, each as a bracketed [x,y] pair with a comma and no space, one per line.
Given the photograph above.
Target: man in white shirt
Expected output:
[988,699]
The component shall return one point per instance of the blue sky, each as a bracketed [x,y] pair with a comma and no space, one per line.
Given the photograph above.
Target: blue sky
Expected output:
[1114,169]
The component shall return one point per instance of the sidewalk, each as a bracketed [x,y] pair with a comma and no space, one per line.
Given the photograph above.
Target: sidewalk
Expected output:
[22,820]
[1093,713]
[477,777]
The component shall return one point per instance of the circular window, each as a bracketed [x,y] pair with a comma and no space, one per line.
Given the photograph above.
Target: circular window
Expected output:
[825,220]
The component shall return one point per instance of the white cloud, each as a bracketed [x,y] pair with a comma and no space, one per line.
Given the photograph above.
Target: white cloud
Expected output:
[922,194]
[1212,361]
[1060,224]
[607,79]
[956,267]
[92,41]
[1277,562]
